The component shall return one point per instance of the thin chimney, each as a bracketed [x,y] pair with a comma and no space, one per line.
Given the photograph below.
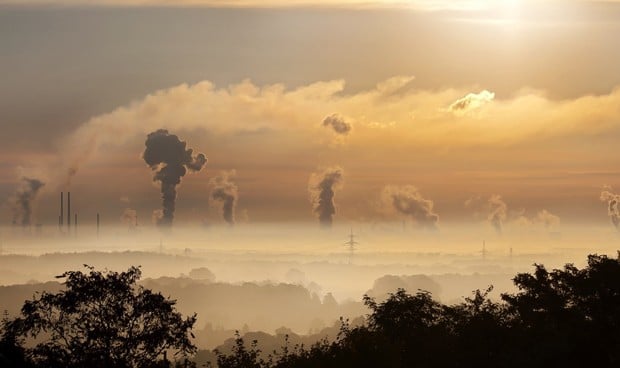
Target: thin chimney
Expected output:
[62,206]
[75,228]
[97,225]
[69,210]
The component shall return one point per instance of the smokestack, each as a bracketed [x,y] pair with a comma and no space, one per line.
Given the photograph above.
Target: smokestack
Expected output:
[75,228]
[62,208]
[68,210]
[97,225]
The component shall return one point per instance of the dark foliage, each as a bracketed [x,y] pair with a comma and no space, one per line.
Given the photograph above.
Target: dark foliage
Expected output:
[567,318]
[98,320]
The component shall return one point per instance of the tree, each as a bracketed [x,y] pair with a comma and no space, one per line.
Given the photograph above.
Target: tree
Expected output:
[101,319]
[572,314]
[242,356]
[566,317]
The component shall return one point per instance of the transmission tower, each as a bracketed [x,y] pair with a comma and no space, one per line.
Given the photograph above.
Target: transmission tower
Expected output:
[351,243]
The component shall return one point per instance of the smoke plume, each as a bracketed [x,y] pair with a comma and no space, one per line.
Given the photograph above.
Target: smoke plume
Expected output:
[322,187]
[24,199]
[497,212]
[337,123]
[548,219]
[613,205]
[168,157]
[130,217]
[494,210]
[408,201]
[225,191]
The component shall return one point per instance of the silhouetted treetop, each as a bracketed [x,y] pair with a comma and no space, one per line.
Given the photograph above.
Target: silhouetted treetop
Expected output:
[561,318]
[100,319]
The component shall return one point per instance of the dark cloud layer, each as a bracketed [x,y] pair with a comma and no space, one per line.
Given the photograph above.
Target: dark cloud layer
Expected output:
[168,157]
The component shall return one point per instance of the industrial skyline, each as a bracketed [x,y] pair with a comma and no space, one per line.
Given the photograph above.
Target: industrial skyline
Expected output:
[434,114]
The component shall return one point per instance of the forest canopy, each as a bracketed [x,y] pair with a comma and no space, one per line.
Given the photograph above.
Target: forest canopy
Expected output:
[566,317]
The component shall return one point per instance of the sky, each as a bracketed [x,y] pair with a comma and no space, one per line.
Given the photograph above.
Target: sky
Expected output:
[437,113]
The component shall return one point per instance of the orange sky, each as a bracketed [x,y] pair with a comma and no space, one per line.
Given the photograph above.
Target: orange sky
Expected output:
[457,104]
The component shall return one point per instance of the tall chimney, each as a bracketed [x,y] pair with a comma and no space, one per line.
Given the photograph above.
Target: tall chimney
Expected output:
[62,206]
[97,225]
[69,210]
[75,228]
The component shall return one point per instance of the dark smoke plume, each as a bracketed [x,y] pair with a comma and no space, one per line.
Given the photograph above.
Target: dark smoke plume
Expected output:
[225,191]
[407,200]
[337,123]
[613,205]
[23,201]
[168,157]
[322,187]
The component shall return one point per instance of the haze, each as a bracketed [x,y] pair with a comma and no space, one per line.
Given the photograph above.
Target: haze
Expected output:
[454,143]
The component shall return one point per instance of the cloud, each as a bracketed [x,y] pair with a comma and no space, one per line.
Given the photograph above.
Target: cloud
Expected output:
[338,124]
[388,116]
[408,201]
[471,101]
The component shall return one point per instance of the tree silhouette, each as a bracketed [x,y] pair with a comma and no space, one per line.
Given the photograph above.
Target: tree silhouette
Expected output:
[561,318]
[572,314]
[101,319]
